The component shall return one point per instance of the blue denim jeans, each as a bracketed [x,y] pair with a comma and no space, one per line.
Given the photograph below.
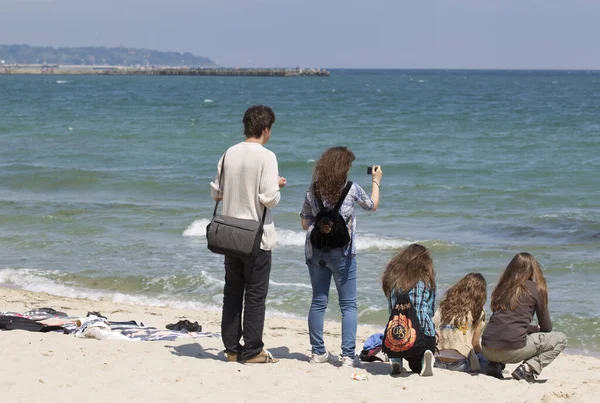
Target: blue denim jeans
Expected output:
[343,271]
[463,365]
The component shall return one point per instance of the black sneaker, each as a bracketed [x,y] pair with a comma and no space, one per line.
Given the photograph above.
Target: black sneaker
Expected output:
[495,369]
[521,373]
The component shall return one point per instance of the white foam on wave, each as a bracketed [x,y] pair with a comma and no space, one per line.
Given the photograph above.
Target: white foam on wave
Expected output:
[29,279]
[421,81]
[62,82]
[286,237]
[370,310]
[208,101]
[572,214]
[199,278]
[197,228]
[207,279]
[364,241]
[36,281]
[370,241]
[293,285]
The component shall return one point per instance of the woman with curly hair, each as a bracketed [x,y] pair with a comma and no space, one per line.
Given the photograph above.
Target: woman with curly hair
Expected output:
[460,320]
[332,196]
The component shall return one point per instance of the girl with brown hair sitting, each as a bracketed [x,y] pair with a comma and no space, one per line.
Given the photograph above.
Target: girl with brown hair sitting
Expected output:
[459,321]
[510,337]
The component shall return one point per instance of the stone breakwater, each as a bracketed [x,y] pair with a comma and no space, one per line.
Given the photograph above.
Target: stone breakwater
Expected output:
[165,71]
[267,72]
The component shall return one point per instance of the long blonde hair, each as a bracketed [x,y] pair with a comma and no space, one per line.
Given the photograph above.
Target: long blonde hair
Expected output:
[511,284]
[406,268]
[331,173]
[465,297]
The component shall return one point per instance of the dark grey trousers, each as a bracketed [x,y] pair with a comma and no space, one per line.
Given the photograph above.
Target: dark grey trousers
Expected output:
[246,288]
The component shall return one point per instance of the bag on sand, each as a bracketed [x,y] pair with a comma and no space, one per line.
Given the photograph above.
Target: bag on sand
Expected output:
[372,349]
[403,336]
[234,236]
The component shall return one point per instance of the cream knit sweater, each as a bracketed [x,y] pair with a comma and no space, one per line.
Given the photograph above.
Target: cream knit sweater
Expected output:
[250,182]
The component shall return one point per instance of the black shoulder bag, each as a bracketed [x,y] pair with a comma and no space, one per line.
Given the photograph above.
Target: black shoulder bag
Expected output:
[234,236]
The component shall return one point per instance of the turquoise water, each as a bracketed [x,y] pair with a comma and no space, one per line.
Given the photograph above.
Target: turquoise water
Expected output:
[104,181]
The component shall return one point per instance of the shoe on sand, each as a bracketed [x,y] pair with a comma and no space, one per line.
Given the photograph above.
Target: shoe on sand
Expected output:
[232,357]
[320,358]
[264,357]
[427,366]
[524,372]
[495,369]
[396,369]
[349,362]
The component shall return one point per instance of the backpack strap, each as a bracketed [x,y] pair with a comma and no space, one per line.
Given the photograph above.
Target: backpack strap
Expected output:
[343,196]
[340,200]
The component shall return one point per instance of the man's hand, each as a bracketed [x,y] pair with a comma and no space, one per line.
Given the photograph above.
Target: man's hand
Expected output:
[282,182]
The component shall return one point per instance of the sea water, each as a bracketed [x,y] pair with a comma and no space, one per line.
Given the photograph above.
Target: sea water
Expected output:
[104,181]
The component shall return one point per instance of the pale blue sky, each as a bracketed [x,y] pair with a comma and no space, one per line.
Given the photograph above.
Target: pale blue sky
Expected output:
[530,34]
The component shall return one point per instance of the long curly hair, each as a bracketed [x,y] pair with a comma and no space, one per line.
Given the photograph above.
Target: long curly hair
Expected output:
[465,297]
[511,284]
[331,173]
[405,270]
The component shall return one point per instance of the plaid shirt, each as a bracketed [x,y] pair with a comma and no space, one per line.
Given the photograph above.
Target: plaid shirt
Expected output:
[310,209]
[423,299]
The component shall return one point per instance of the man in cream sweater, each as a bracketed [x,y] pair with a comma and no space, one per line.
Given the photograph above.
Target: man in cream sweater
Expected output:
[250,182]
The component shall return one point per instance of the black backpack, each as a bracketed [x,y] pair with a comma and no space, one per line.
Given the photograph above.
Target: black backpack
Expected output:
[403,336]
[330,230]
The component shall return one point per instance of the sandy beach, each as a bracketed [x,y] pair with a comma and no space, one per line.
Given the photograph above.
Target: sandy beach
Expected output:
[42,366]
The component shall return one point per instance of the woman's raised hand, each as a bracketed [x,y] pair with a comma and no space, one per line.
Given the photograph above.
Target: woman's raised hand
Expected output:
[377,173]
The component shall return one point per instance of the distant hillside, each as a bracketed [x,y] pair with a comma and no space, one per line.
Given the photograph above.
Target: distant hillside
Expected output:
[25,54]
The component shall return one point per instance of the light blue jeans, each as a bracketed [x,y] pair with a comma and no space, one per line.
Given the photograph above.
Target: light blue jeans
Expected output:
[343,271]
[463,365]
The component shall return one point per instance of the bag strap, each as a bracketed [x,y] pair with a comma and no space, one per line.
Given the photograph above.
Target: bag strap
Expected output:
[264,215]
[220,184]
[343,196]
[219,192]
